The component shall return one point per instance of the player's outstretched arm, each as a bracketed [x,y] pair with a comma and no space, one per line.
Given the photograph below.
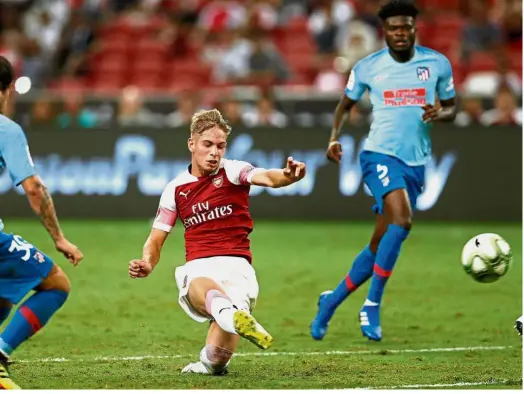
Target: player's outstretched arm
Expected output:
[42,204]
[150,255]
[334,151]
[275,178]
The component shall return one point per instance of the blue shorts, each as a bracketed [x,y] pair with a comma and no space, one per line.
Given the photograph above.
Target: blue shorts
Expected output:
[383,174]
[22,267]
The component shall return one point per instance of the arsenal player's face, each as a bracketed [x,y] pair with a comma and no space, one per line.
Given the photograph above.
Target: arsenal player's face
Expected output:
[207,150]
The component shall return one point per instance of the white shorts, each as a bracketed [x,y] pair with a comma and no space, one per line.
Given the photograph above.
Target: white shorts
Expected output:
[234,274]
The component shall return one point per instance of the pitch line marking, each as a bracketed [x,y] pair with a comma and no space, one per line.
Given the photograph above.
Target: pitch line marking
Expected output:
[271,354]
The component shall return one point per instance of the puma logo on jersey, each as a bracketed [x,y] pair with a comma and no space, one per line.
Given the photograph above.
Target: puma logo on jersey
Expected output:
[184,194]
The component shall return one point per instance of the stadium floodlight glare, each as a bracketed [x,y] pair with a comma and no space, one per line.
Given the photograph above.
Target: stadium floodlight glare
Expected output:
[23,85]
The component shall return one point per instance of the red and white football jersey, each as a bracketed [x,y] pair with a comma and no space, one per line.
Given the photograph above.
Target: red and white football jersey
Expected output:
[213,209]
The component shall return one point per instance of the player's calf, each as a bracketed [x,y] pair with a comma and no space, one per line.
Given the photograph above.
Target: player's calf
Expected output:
[36,311]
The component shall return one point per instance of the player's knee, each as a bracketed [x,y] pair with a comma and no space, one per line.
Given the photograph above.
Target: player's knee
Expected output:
[62,282]
[215,358]
[403,221]
[56,280]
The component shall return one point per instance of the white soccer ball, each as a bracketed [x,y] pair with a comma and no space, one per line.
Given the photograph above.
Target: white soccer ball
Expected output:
[487,257]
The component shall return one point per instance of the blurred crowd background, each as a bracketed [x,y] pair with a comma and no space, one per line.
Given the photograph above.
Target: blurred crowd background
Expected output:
[153,63]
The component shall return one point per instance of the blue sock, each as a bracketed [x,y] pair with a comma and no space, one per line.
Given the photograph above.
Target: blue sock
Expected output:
[30,317]
[4,313]
[387,254]
[361,270]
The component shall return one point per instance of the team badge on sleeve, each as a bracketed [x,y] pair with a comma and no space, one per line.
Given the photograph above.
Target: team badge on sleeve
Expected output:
[423,73]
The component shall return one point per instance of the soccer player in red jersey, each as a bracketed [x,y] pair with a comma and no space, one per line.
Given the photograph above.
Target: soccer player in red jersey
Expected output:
[218,282]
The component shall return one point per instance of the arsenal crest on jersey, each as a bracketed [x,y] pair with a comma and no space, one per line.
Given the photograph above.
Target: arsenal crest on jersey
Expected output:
[217,181]
[423,73]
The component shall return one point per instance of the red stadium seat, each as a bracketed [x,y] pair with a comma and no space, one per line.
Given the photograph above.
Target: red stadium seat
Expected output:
[115,57]
[451,5]
[115,26]
[67,84]
[149,47]
[516,63]
[112,31]
[141,29]
[299,79]
[108,85]
[482,61]
[114,64]
[297,25]
[185,84]
[449,24]
[297,44]
[423,32]
[188,68]
[300,62]
[147,81]
[444,45]
[115,46]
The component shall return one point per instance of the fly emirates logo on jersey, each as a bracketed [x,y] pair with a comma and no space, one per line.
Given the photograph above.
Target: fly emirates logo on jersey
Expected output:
[202,213]
[405,97]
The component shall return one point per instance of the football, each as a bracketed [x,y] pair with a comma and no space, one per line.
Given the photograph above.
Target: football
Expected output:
[487,257]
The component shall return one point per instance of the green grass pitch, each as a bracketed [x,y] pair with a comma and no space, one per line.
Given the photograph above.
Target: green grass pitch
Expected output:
[430,305]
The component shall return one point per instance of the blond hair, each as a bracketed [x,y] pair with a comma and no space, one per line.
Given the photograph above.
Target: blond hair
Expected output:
[207,119]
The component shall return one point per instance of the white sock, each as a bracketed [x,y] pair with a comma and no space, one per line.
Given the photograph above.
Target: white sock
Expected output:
[370,303]
[222,310]
[215,359]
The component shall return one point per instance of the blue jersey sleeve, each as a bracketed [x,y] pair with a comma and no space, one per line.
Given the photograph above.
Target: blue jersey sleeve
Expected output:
[445,84]
[15,151]
[356,83]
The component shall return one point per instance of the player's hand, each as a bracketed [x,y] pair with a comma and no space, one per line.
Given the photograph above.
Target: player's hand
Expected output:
[69,250]
[295,170]
[334,151]
[139,269]
[430,113]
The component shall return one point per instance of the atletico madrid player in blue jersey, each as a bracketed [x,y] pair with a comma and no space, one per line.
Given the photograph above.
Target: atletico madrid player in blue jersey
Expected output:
[403,81]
